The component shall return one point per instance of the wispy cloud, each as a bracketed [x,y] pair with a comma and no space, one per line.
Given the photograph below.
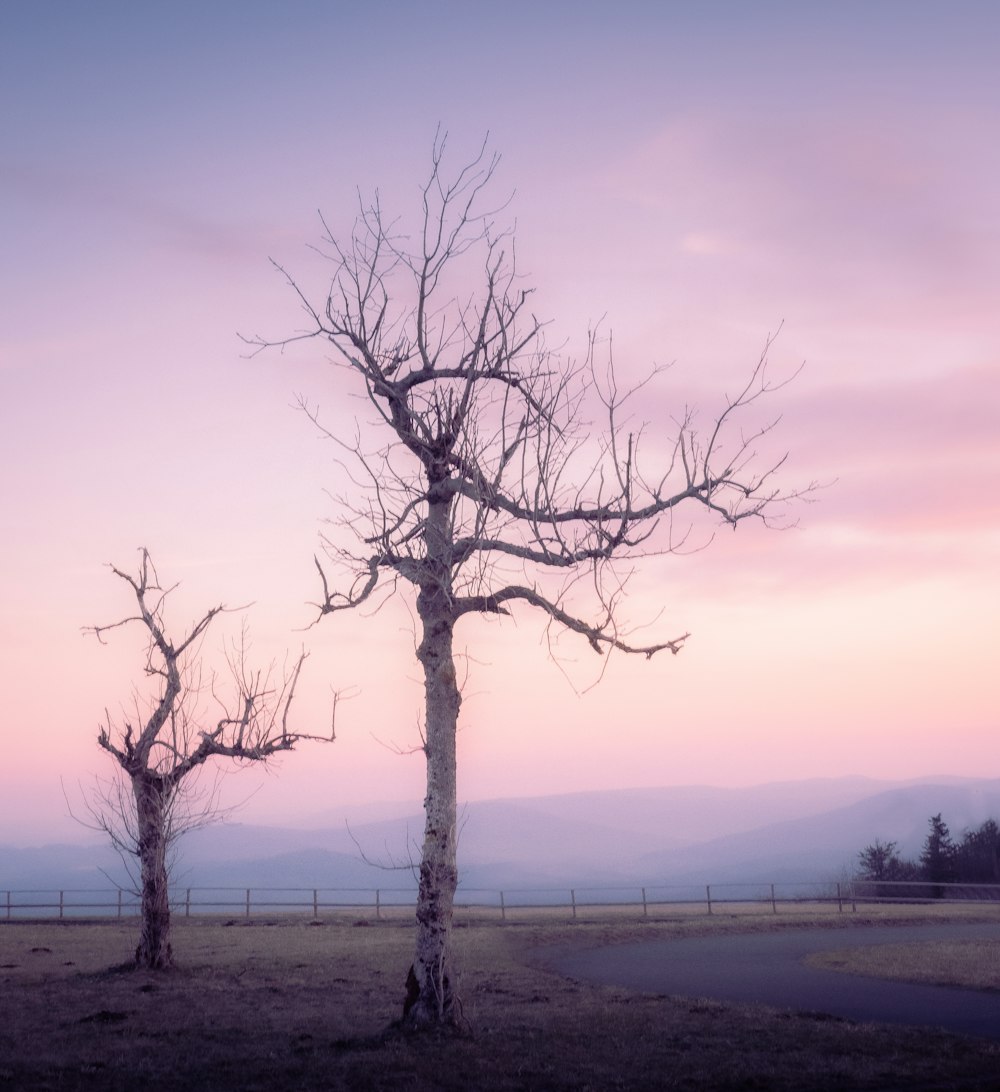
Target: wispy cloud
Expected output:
[119,208]
[862,212]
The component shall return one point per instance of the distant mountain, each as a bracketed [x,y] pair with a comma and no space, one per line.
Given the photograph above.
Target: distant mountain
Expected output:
[55,867]
[825,846]
[804,830]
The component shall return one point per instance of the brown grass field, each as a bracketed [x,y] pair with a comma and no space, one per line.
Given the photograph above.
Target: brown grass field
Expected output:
[975,964]
[293,1004]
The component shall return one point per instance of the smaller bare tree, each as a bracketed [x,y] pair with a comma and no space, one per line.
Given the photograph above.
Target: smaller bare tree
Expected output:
[170,738]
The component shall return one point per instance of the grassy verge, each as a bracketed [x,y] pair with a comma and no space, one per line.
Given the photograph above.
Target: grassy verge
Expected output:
[288,1004]
[971,963]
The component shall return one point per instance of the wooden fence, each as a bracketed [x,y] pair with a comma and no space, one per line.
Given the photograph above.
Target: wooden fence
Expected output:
[506,904]
[503,905]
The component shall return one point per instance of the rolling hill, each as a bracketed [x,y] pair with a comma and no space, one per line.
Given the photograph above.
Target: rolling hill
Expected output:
[808,830]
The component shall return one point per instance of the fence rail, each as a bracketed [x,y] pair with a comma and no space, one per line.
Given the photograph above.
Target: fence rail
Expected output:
[924,891]
[505,904]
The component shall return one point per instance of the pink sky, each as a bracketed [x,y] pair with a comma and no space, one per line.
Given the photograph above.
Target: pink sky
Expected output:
[697,173]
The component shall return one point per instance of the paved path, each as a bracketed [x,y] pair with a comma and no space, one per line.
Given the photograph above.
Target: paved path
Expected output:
[769,968]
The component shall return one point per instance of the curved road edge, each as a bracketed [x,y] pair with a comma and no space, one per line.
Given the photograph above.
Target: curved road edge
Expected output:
[768,968]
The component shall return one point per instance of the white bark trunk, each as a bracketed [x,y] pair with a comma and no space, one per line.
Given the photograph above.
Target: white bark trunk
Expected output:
[154,951]
[431,995]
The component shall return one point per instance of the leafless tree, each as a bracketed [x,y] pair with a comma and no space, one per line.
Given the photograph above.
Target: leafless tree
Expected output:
[161,748]
[485,484]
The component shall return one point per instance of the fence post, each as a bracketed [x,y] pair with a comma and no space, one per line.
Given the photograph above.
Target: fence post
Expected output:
[846,891]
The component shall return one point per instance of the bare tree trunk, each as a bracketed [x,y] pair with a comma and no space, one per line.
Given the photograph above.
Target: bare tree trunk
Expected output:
[175,738]
[151,796]
[430,990]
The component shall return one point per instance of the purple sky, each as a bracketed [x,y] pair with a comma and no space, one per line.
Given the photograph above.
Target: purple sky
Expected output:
[696,173]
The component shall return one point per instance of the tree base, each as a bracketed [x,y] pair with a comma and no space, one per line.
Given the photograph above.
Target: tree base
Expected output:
[158,960]
[436,1008]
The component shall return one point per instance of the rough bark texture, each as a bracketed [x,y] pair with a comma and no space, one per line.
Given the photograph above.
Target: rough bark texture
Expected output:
[154,951]
[431,997]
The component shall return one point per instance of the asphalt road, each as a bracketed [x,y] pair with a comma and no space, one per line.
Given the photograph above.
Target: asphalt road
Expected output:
[768,968]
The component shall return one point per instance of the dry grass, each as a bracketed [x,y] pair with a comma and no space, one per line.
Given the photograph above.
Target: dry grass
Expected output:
[293,1005]
[972,963]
